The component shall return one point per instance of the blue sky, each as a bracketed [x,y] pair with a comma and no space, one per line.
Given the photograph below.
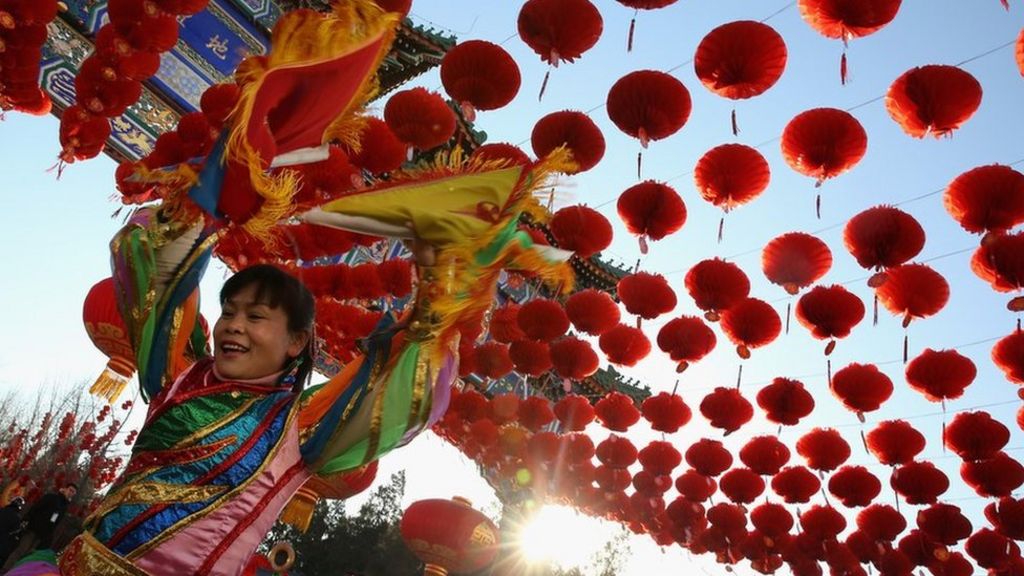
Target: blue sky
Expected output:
[56,231]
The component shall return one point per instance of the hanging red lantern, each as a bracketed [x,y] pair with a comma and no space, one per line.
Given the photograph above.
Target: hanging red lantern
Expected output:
[559,30]
[1000,262]
[727,409]
[479,75]
[659,457]
[785,401]
[581,229]
[616,412]
[854,486]
[420,118]
[823,143]
[648,105]
[542,319]
[844,20]
[772,520]
[751,323]
[829,312]
[574,412]
[646,295]
[861,387]
[573,358]
[651,210]
[107,331]
[1006,515]
[796,484]
[686,339]
[740,60]
[894,442]
[795,260]
[741,485]
[696,487]
[883,237]
[822,522]
[934,99]
[625,345]
[944,524]
[501,151]
[991,550]
[449,535]
[1008,355]
[143,25]
[730,175]
[975,435]
[504,408]
[380,150]
[986,199]
[708,457]
[504,324]
[913,291]
[641,5]
[572,129]
[471,406]
[881,523]
[994,477]
[940,375]
[716,285]
[666,412]
[399,6]
[592,311]
[616,452]
[218,101]
[728,520]
[82,134]
[823,448]
[535,413]
[765,455]
[492,360]
[530,357]
[919,482]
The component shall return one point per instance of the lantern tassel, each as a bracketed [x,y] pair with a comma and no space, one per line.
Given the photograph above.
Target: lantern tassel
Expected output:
[828,370]
[874,321]
[1006,4]
[817,206]
[544,85]
[109,385]
[632,29]
[943,425]
[906,345]
[721,228]
[299,510]
[639,163]
[842,68]
[789,307]
[643,244]
[864,441]
[735,125]
[739,376]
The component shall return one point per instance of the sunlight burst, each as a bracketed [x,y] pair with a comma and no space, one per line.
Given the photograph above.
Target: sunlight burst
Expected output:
[563,537]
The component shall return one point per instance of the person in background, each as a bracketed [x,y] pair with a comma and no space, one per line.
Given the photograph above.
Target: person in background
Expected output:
[40,522]
[43,561]
[10,525]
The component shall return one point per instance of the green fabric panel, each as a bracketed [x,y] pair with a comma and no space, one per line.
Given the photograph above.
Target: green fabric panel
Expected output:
[180,421]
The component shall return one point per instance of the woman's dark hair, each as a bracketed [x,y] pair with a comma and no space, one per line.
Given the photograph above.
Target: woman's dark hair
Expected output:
[277,288]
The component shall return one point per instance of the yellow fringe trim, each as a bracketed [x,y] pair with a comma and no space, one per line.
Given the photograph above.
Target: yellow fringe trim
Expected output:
[303,38]
[299,510]
[109,385]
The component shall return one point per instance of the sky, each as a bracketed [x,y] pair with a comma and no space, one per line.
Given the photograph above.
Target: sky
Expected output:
[55,230]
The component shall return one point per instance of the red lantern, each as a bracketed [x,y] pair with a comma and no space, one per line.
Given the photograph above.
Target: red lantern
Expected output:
[727,409]
[994,477]
[479,75]
[380,150]
[940,375]
[535,413]
[646,295]
[503,152]
[573,358]
[772,520]
[730,175]
[991,550]
[740,60]
[625,345]
[861,387]
[617,452]
[616,412]
[919,482]
[82,134]
[530,357]
[651,210]
[1020,52]
[933,100]
[751,323]
[685,340]
[1008,355]
[913,291]
[708,457]
[785,401]
[944,523]
[795,260]
[660,457]
[559,30]
[975,435]
[648,105]
[106,329]
[796,484]
[854,486]
[883,237]
[986,199]
[894,442]
[572,129]
[592,311]
[666,412]
[695,486]
[829,312]
[822,522]
[420,118]
[845,20]
[716,285]
[823,143]
[218,101]
[1006,516]
[741,485]
[881,523]
[765,455]
[449,535]
[542,319]
[504,325]
[504,408]
[823,448]
[574,412]
[581,229]
[492,360]
[1000,262]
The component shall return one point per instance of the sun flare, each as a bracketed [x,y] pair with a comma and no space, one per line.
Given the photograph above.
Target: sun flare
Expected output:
[562,536]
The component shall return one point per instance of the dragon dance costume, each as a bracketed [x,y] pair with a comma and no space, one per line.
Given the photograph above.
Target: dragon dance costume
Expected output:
[217,460]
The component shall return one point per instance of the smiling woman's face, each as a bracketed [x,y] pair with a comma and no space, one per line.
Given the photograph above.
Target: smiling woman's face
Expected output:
[251,340]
